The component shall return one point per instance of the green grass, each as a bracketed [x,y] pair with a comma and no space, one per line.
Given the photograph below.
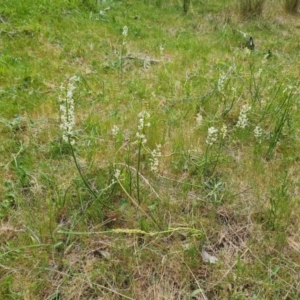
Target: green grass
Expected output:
[116,216]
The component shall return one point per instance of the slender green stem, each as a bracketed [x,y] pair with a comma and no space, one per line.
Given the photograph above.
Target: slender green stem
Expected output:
[80,173]
[278,128]
[138,172]
[121,64]
[217,159]
[85,182]
[206,158]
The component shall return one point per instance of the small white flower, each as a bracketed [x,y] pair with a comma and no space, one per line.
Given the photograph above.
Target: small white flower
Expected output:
[265,58]
[117,173]
[154,162]
[258,133]
[291,89]
[125,33]
[243,118]
[115,130]
[212,136]
[161,49]
[224,131]
[199,119]
[143,115]
[221,83]
[141,137]
[67,111]
[257,75]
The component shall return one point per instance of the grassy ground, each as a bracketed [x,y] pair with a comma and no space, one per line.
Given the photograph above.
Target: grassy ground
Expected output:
[184,150]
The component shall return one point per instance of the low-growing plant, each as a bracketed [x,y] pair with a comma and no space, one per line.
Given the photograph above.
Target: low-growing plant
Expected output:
[9,200]
[282,119]
[280,206]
